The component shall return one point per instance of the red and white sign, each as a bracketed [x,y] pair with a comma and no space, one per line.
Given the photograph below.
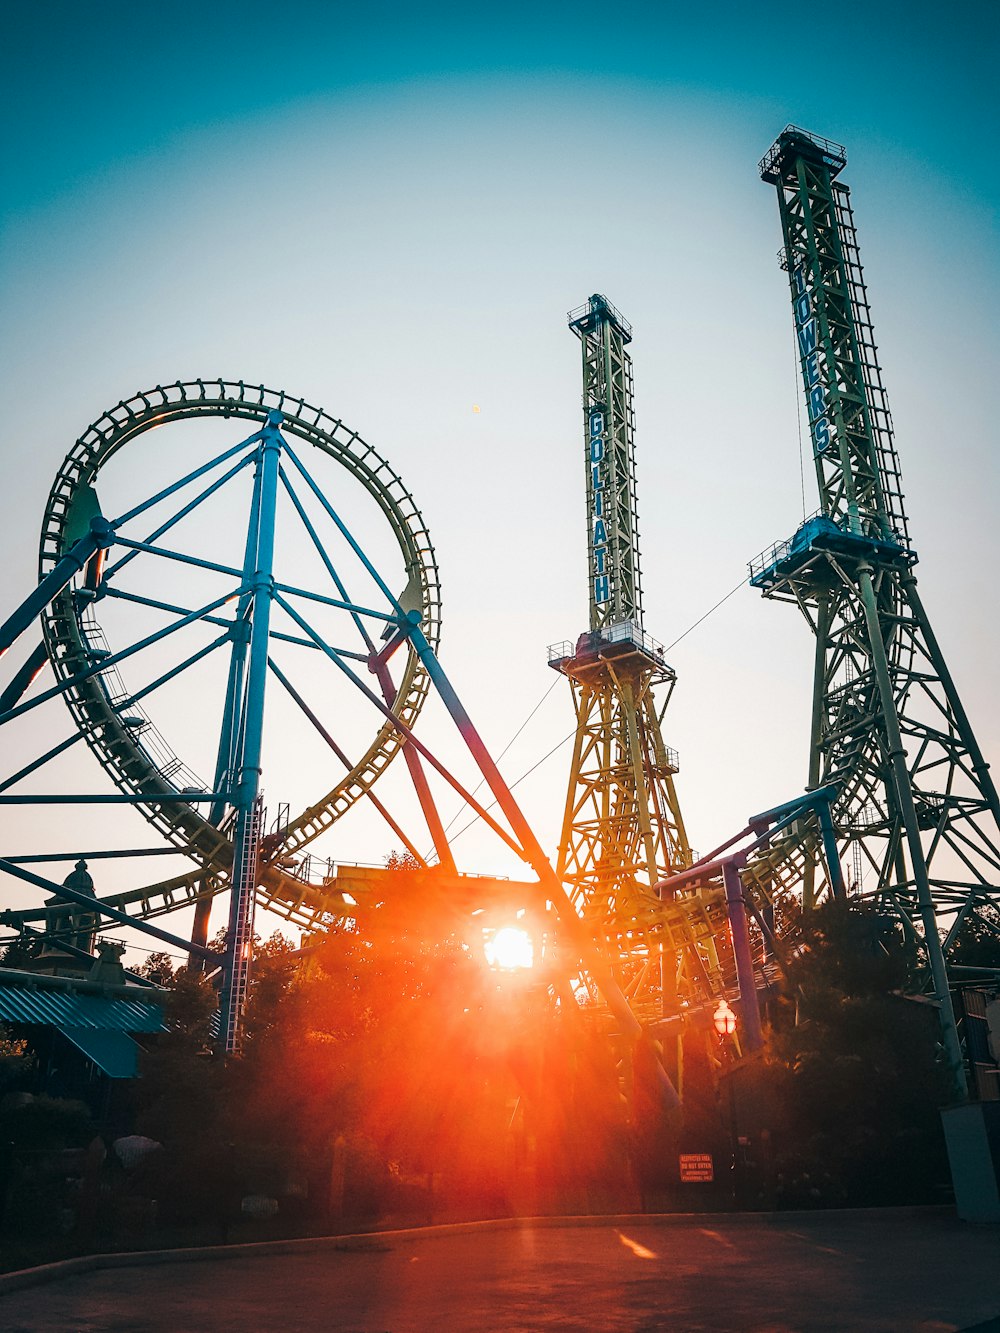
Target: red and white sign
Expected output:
[697,1166]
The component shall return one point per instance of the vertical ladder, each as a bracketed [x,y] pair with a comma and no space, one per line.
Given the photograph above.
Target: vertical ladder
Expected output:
[878,403]
[244,886]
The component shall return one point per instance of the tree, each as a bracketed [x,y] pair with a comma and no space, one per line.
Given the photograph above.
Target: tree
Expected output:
[856,1068]
[157,967]
[395,1035]
[16,1060]
[180,1102]
[977,943]
[20,950]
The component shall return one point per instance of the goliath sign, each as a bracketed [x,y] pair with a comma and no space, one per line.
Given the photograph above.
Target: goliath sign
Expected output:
[598,524]
[805,325]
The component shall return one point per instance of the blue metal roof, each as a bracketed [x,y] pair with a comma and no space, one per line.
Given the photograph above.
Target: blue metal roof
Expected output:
[114,1052]
[72,1009]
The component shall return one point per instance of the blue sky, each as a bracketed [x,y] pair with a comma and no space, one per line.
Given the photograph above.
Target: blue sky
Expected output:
[390,209]
[91,86]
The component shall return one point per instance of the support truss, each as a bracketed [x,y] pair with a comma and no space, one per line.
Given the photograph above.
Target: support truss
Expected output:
[622,828]
[916,815]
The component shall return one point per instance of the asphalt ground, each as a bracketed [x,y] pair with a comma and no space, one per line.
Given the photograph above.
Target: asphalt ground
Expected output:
[790,1273]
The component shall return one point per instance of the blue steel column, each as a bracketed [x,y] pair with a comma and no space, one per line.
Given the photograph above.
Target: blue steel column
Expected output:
[228,733]
[247,786]
[754,1037]
[100,535]
[830,850]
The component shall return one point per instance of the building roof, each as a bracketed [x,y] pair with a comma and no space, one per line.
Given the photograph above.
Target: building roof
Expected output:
[114,1052]
[98,1025]
[67,1009]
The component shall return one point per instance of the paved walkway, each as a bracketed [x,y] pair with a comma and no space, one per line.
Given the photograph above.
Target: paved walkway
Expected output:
[793,1274]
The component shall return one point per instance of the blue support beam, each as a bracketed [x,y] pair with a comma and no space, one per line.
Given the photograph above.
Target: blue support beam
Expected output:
[132,701]
[400,726]
[114,659]
[114,798]
[345,760]
[389,594]
[98,538]
[186,480]
[98,907]
[753,1036]
[181,513]
[324,556]
[24,678]
[246,794]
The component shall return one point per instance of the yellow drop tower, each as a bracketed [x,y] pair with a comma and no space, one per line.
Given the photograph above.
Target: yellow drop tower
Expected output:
[622,830]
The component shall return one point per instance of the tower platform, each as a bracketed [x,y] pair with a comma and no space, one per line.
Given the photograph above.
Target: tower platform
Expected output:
[625,644]
[794,143]
[801,559]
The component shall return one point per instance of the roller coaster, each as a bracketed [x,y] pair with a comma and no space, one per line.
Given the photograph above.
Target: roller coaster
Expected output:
[307,569]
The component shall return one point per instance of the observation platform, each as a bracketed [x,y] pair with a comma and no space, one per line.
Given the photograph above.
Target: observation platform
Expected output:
[624,644]
[793,143]
[585,318]
[802,558]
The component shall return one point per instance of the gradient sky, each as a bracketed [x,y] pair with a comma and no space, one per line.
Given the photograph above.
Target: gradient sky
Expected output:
[389,210]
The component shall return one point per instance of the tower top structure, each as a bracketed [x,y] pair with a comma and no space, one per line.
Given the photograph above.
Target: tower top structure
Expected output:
[615,577]
[857,468]
[586,317]
[794,145]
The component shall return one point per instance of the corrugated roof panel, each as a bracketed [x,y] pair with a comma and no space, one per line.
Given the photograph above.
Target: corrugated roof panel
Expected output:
[114,1052]
[65,1009]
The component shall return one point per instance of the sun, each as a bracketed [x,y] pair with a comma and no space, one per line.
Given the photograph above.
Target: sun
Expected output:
[510,949]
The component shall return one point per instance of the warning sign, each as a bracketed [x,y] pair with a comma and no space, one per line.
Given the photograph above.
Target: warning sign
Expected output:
[697,1166]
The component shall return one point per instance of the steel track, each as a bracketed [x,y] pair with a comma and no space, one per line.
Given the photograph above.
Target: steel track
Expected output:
[70,633]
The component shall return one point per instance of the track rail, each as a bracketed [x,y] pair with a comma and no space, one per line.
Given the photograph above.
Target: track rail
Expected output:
[99,704]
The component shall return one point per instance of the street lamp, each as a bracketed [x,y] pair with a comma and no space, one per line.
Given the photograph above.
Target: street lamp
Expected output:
[724,1020]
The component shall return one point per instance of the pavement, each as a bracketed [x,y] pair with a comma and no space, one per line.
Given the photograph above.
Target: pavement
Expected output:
[894,1270]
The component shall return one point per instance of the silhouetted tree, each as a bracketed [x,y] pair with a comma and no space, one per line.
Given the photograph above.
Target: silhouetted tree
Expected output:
[977,943]
[859,1077]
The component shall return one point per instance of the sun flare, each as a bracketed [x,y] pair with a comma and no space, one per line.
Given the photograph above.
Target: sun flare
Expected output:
[509,949]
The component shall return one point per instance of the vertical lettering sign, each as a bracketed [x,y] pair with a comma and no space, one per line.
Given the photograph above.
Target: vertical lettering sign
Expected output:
[599,532]
[805,325]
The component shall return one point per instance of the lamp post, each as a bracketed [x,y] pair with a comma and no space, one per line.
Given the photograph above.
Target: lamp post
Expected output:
[724,1021]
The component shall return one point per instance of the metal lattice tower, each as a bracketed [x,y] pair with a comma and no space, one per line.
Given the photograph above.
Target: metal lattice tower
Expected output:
[609,444]
[622,827]
[916,813]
